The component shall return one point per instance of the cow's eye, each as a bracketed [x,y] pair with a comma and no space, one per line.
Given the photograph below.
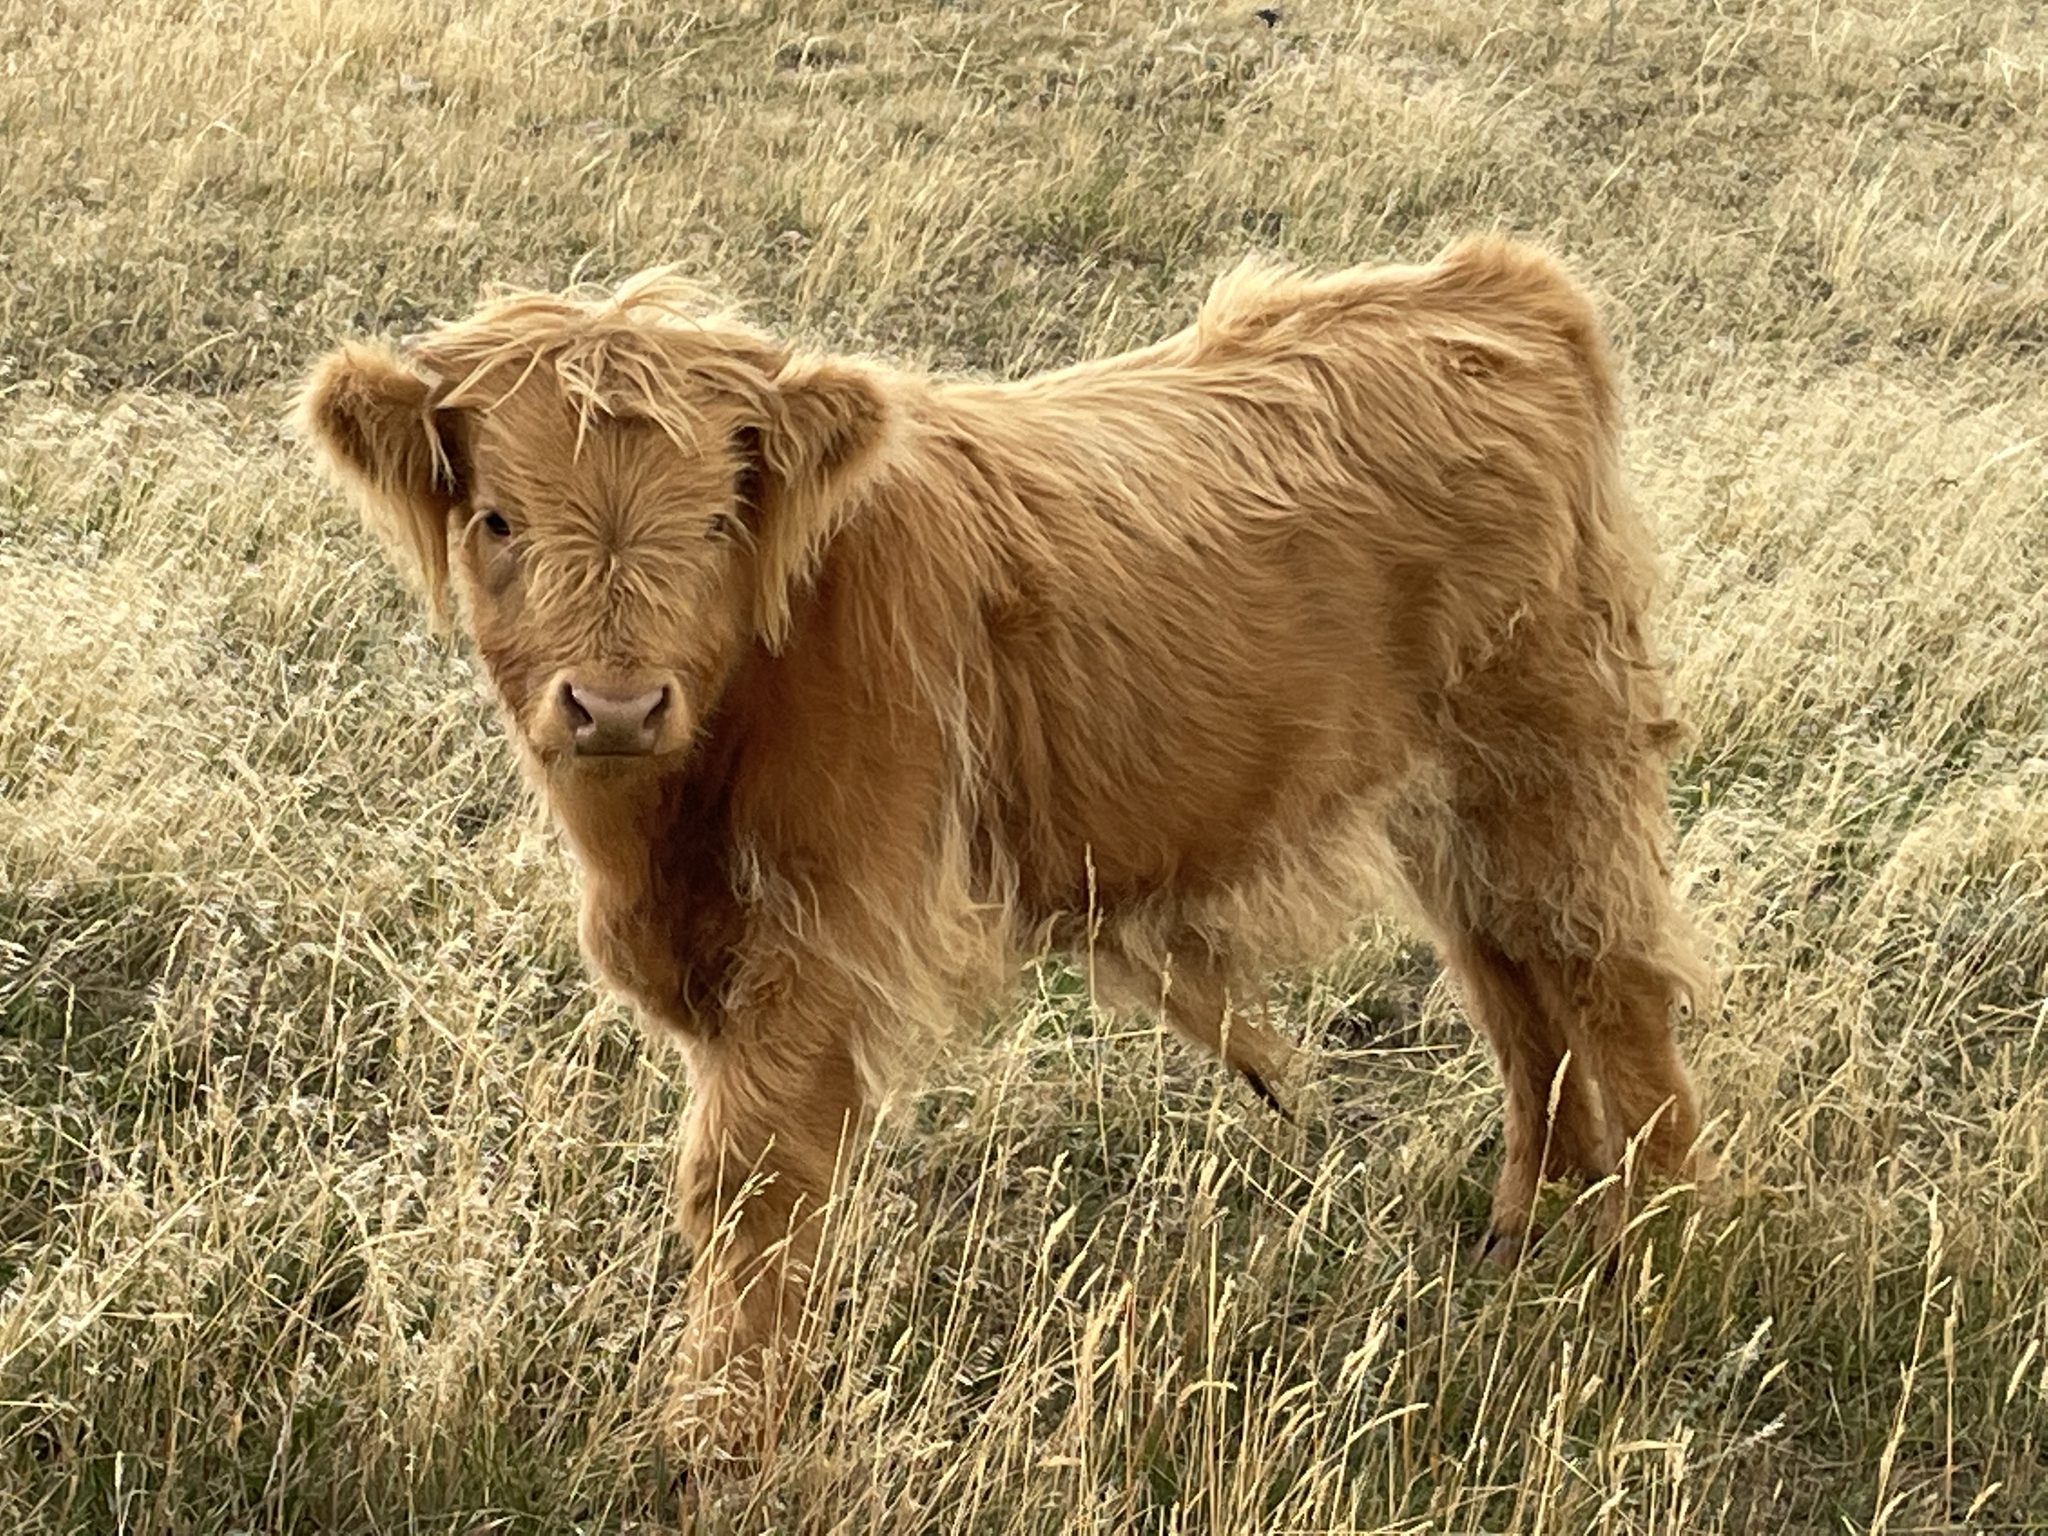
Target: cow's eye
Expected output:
[495,525]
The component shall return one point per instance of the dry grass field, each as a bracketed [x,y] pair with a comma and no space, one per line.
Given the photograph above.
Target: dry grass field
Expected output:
[333,1197]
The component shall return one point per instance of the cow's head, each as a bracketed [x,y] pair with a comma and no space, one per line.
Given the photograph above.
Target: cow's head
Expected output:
[623,494]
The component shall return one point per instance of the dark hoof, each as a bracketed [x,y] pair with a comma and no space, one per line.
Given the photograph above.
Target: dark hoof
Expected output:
[1500,1250]
[1259,1086]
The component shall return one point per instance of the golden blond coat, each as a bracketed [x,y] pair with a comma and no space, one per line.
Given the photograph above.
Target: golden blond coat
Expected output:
[1189,656]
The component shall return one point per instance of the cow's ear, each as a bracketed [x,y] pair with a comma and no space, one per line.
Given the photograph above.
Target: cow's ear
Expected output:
[826,430]
[374,423]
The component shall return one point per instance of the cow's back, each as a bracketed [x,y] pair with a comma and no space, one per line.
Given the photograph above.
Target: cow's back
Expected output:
[1221,585]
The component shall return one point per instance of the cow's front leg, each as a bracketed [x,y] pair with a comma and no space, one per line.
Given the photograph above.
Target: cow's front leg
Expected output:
[776,1102]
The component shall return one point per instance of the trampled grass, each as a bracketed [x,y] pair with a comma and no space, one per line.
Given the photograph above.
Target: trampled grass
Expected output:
[333,1197]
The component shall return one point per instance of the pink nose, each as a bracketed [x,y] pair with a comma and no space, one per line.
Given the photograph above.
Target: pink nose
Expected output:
[612,725]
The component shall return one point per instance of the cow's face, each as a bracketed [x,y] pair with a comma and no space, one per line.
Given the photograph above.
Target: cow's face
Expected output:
[622,507]
[608,584]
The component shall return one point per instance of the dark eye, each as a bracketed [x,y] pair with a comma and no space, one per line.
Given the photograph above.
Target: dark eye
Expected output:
[496,526]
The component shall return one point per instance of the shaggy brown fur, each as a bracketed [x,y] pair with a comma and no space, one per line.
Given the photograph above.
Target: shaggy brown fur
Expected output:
[1195,652]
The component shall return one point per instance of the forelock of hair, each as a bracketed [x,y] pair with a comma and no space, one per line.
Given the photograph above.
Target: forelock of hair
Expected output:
[656,348]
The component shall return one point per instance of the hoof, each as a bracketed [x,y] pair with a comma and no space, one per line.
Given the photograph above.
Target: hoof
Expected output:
[1500,1250]
[1265,1091]
[1705,1173]
[719,1425]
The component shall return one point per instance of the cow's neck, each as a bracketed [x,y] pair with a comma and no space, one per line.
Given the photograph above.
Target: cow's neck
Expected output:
[660,918]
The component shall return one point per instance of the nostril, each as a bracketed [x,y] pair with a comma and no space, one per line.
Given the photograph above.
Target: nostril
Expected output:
[660,711]
[572,708]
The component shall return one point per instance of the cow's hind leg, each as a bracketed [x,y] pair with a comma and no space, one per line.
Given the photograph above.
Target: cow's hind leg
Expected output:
[1570,929]
[1618,1007]
[1553,1121]
[1543,872]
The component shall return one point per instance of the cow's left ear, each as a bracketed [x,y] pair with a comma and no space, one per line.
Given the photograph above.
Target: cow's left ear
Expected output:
[827,429]
[374,423]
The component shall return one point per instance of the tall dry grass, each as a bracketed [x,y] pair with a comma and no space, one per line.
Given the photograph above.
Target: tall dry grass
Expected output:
[333,1198]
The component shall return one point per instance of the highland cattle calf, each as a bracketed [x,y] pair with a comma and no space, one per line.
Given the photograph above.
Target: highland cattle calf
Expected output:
[849,687]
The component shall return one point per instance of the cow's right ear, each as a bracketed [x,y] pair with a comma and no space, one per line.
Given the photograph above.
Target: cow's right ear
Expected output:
[374,423]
